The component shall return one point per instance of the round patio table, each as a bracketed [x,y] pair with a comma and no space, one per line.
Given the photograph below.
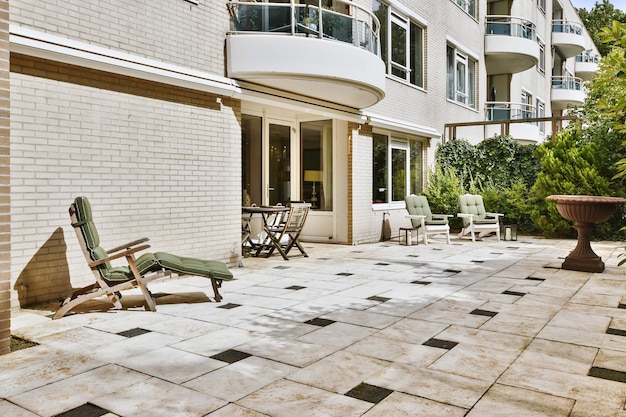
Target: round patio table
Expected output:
[585,211]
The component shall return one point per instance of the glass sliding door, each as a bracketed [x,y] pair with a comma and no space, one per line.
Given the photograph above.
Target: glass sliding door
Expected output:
[279,174]
[316,166]
[252,158]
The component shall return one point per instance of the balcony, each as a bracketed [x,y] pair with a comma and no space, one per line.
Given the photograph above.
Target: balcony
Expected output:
[510,45]
[568,38]
[586,66]
[308,50]
[529,132]
[567,91]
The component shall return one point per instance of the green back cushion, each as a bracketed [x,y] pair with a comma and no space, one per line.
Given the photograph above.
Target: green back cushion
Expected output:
[473,204]
[145,263]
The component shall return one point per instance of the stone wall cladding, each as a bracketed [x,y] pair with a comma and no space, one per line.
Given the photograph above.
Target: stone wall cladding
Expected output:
[155,161]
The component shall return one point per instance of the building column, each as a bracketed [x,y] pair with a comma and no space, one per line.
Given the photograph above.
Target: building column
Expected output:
[5,197]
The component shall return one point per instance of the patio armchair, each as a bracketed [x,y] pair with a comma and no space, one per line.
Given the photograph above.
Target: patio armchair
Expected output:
[138,270]
[423,220]
[476,219]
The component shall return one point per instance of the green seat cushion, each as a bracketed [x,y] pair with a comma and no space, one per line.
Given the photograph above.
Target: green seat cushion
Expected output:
[436,222]
[193,266]
[145,263]
[485,221]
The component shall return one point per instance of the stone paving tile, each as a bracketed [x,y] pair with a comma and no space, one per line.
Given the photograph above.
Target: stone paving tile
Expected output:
[288,399]
[504,401]
[478,329]
[157,398]
[339,372]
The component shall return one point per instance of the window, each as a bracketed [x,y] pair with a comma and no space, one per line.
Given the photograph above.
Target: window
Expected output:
[541,4]
[541,64]
[397,168]
[469,6]
[461,73]
[526,111]
[541,112]
[402,44]
[316,143]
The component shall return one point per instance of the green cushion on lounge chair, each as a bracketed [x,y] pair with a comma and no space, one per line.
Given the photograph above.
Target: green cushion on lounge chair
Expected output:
[193,266]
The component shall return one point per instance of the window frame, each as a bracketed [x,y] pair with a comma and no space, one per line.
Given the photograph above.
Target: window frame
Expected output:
[454,57]
[413,69]
[413,178]
[468,6]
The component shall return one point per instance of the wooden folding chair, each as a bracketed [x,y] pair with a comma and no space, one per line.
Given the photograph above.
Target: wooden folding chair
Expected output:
[284,236]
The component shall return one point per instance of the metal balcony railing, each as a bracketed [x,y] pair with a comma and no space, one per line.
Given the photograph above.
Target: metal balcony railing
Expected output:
[510,26]
[567,83]
[588,58]
[360,27]
[564,26]
[505,110]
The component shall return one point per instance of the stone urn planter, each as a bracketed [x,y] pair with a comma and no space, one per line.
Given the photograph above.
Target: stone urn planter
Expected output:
[585,211]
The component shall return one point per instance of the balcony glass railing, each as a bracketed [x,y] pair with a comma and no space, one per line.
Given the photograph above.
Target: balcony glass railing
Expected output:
[588,58]
[504,110]
[567,83]
[563,26]
[510,26]
[359,28]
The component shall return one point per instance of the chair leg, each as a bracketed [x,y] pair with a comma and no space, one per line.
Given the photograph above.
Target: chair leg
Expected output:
[216,283]
[151,304]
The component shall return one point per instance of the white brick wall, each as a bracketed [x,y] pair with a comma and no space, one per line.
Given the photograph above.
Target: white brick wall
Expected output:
[155,162]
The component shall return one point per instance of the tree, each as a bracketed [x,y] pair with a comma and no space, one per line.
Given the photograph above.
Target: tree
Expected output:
[601,15]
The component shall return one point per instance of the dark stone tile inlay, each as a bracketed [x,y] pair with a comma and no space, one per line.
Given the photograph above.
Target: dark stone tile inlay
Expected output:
[421,282]
[85,410]
[440,343]
[231,356]
[281,267]
[369,393]
[382,263]
[621,305]
[609,374]
[480,312]
[344,274]
[295,287]
[617,332]
[133,332]
[229,306]
[453,271]
[378,298]
[320,322]
[519,294]
[535,279]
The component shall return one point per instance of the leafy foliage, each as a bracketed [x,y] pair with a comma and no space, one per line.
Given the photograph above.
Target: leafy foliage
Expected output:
[601,15]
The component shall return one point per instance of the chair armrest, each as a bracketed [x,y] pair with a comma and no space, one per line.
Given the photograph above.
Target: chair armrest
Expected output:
[494,214]
[118,255]
[467,216]
[128,245]
[419,217]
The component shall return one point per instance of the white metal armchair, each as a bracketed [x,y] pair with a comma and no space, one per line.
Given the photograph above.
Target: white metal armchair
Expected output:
[476,219]
[424,220]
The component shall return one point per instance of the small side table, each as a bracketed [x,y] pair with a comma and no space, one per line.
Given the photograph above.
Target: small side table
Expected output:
[408,235]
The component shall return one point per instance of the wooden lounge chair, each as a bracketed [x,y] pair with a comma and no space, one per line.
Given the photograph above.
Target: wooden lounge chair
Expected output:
[137,272]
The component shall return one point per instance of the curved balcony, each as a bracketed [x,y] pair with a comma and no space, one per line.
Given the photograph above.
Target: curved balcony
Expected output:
[568,38]
[307,50]
[503,110]
[567,91]
[510,45]
[586,66]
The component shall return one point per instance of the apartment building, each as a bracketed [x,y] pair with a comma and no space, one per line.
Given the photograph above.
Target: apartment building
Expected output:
[171,114]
